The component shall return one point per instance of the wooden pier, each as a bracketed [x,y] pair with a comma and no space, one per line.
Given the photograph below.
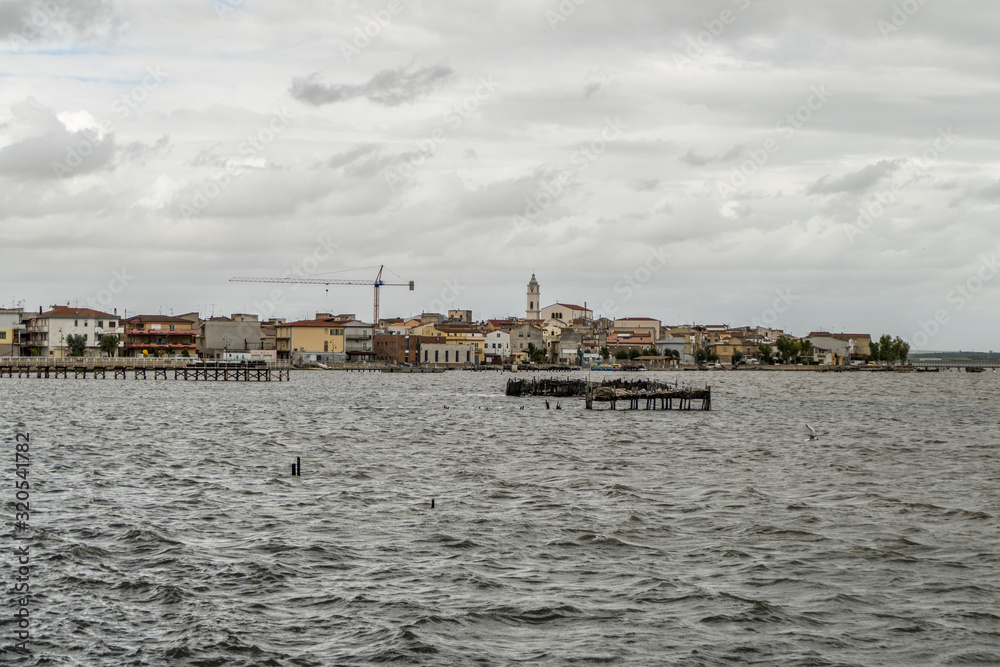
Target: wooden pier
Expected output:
[636,394]
[142,369]
[656,399]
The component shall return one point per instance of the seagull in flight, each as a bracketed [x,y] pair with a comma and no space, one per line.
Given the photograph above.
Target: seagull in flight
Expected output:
[812,433]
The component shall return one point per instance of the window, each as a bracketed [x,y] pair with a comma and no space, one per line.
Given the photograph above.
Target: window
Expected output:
[85,337]
[76,323]
[3,335]
[111,324]
[436,352]
[446,353]
[467,356]
[100,325]
[425,356]
[326,346]
[173,327]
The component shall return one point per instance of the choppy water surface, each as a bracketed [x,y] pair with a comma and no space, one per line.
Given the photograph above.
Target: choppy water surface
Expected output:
[168,529]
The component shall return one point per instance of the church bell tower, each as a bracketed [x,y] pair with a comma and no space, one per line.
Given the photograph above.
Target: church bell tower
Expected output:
[533,296]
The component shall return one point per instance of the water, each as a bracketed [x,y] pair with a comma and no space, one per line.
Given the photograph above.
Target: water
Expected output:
[167,528]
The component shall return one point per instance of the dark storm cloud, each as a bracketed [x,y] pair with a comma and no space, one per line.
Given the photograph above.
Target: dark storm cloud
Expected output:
[390,87]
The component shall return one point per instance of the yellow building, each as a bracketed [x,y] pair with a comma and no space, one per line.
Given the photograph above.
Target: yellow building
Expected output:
[311,341]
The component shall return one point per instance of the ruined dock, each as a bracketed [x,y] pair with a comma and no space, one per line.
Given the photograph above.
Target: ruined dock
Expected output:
[633,394]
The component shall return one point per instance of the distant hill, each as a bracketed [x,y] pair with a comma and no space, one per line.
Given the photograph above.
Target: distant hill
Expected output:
[981,357]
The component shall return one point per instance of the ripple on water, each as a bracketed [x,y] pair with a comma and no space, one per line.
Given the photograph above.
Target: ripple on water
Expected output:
[170,532]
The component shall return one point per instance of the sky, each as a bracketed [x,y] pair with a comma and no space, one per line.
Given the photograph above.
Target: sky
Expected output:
[797,164]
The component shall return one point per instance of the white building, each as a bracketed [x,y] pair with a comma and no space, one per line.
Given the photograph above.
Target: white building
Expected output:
[497,344]
[47,332]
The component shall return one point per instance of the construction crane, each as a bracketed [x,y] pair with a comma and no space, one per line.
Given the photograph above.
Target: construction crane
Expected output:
[378,283]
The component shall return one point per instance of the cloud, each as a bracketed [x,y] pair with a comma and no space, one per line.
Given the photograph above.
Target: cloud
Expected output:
[32,21]
[390,87]
[693,159]
[44,147]
[857,182]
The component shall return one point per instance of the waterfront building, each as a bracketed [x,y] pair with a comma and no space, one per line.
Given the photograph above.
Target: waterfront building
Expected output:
[522,335]
[11,329]
[47,332]
[359,341]
[311,341]
[219,335]
[497,346]
[159,334]
[447,355]
[402,348]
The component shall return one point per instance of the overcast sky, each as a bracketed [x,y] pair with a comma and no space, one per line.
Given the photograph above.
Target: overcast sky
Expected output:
[810,165]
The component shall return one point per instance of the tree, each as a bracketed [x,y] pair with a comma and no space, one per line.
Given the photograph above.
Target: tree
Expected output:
[737,355]
[535,354]
[787,348]
[634,354]
[621,354]
[579,356]
[672,353]
[765,353]
[805,348]
[109,343]
[875,353]
[706,356]
[77,345]
[605,353]
[886,351]
[902,350]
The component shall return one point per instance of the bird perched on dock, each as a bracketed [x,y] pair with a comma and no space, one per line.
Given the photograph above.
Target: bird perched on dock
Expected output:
[812,433]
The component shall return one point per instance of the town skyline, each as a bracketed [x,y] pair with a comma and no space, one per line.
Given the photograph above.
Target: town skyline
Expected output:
[266,308]
[843,155]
